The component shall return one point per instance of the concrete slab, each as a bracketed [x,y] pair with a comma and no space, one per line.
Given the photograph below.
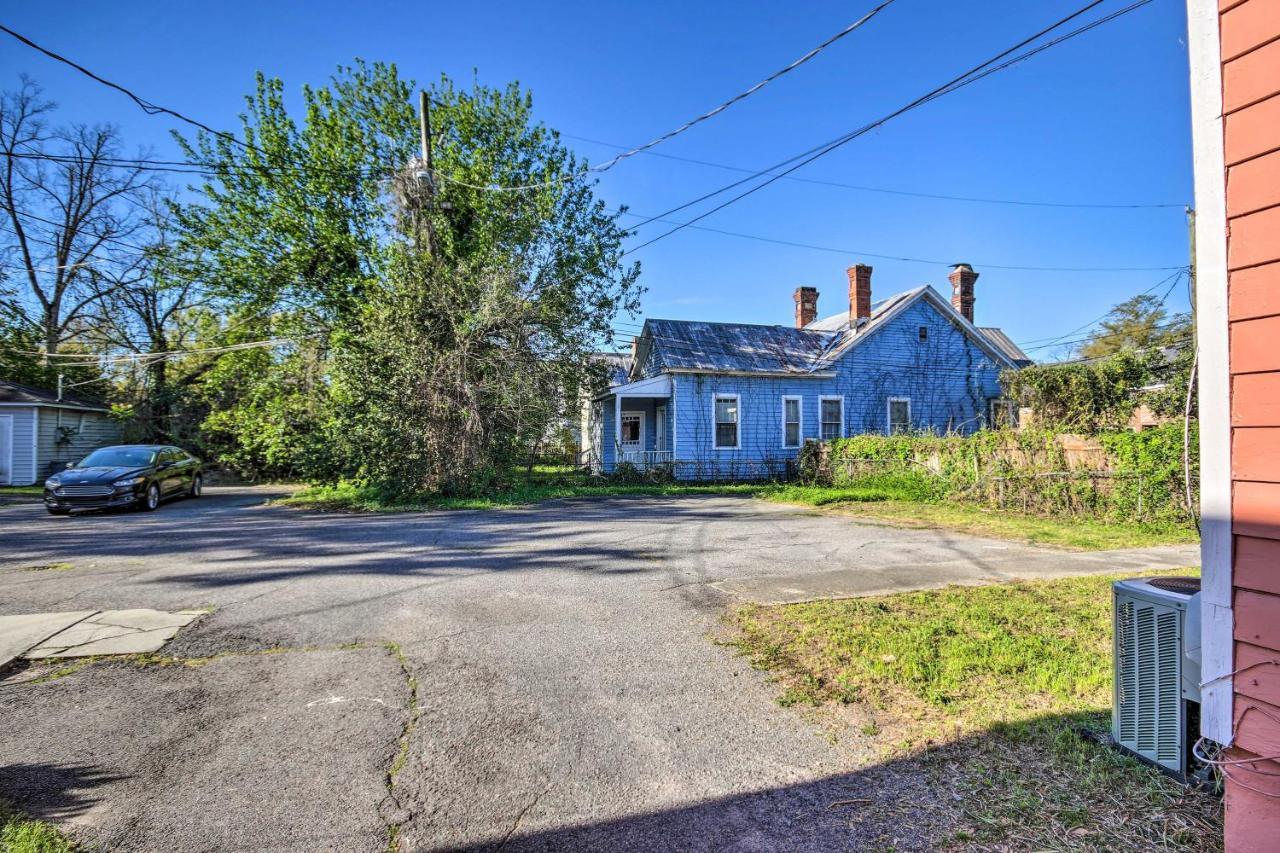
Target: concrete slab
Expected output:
[20,633]
[115,632]
[1019,564]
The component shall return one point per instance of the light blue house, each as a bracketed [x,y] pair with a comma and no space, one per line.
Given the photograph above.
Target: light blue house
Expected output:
[733,400]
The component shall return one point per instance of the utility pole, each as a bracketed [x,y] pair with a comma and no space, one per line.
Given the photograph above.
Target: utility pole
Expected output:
[427,178]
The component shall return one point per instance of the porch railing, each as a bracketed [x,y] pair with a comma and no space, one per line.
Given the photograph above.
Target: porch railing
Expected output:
[644,458]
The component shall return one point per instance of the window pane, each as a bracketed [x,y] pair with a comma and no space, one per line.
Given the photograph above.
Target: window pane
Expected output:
[899,416]
[792,409]
[726,435]
[726,410]
[793,434]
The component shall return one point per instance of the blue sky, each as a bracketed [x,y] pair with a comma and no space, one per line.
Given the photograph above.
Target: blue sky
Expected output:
[1101,119]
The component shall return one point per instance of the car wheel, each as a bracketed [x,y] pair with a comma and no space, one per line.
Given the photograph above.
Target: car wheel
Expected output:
[197,484]
[151,499]
[57,511]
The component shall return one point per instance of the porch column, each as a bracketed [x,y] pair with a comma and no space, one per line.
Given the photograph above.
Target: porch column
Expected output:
[617,426]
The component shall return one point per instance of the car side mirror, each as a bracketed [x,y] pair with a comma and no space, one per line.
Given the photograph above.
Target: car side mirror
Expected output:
[71,464]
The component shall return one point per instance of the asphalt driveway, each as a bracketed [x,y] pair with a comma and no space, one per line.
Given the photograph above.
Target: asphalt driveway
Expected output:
[532,679]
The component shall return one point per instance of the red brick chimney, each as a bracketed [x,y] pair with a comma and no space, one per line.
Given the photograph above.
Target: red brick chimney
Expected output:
[962,280]
[859,293]
[806,306]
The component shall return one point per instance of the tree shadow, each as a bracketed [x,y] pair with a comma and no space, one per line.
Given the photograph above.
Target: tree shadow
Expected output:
[53,792]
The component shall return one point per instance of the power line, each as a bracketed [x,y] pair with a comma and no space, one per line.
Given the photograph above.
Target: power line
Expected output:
[147,106]
[932,262]
[885,190]
[971,76]
[155,109]
[689,124]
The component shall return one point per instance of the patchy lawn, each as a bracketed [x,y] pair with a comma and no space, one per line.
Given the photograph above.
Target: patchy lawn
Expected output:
[904,499]
[20,834]
[21,492]
[992,683]
[355,498]
[1080,534]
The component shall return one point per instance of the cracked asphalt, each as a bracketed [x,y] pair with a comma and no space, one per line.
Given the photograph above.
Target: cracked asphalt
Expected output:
[544,678]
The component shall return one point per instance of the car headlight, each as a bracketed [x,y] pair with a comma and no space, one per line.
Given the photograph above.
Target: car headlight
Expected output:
[124,484]
[52,483]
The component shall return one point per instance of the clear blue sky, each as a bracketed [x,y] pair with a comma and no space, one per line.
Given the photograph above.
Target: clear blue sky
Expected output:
[1100,119]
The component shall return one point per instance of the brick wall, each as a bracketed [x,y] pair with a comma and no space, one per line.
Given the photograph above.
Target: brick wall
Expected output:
[1250,53]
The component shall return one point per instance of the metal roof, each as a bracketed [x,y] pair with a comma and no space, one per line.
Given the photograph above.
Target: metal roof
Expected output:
[1005,344]
[686,345]
[14,393]
[736,347]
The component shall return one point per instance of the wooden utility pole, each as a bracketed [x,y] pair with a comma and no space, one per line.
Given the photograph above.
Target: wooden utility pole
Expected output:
[427,181]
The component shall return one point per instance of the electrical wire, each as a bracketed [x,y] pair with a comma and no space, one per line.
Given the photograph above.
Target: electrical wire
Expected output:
[885,190]
[971,76]
[859,253]
[687,125]
[155,109]
[147,106]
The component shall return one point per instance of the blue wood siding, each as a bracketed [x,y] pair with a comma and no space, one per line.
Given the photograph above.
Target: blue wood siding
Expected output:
[947,377]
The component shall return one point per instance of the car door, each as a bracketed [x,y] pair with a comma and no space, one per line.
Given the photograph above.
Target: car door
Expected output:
[170,471]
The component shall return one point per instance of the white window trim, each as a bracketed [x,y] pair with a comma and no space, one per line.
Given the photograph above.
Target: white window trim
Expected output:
[888,414]
[639,413]
[715,437]
[822,423]
[1006,403]
[800,432]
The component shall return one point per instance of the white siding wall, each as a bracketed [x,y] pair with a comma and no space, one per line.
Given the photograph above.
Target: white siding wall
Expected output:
[66,435]
[20,473]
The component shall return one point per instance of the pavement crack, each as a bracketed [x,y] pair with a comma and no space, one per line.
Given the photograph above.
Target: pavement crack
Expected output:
[400,815]
[515,824]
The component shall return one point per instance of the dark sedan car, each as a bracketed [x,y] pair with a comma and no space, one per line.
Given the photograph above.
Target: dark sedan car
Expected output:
[129,475]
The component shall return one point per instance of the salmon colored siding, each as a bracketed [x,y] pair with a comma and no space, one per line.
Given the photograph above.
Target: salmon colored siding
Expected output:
[1249,33]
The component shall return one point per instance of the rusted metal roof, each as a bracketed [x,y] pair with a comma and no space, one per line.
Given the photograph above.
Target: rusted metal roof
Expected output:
[687,345]
[1005,344]
[737,347]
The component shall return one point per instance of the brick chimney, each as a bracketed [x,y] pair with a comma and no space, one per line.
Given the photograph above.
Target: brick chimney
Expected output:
[806,306]
[859,293]
[962,280]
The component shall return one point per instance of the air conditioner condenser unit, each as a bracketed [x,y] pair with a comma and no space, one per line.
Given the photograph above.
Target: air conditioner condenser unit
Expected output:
[1156,708]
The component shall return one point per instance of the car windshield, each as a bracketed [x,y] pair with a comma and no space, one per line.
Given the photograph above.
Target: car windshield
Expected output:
[118,457]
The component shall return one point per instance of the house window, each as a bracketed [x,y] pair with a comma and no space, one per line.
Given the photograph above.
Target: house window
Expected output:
[632,430]
[831,411]
[726,415]
[791,422]
[899,415]
[660,426]
[924,334]
[1002,414]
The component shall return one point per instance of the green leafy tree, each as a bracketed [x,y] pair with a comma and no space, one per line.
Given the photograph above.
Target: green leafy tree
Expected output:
[435,324]
[1141,322]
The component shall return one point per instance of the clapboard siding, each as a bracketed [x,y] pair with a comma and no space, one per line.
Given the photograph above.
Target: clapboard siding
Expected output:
[1249,39]
[20,472]
[67,435]
[947,377]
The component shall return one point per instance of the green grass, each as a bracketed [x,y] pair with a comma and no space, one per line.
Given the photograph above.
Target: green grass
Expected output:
[20,834]
[993,682]
[351,497]
[900,498]
[1081,534]
[25,491]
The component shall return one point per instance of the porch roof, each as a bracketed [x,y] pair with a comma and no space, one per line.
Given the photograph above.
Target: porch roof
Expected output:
[654,386]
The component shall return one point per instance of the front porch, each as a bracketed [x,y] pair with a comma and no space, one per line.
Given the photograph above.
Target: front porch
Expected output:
[633,424]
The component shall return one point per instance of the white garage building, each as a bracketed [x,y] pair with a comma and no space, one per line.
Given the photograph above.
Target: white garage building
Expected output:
[40,433]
